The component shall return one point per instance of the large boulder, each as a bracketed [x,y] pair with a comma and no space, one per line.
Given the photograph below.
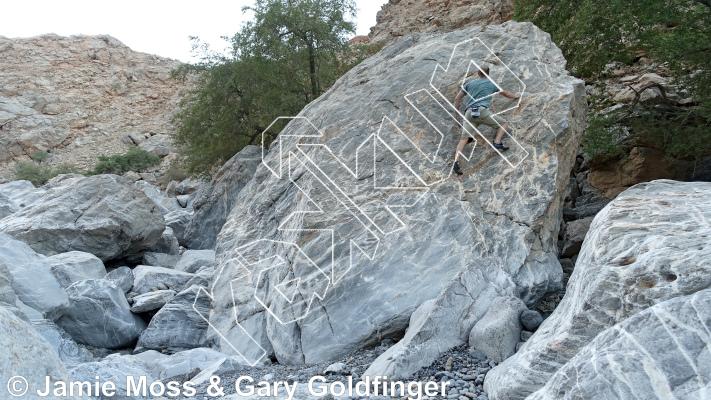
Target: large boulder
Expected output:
[648,245]
[662,352]
[102,215]
[215,201]
[32,280]
[179,325]
[178,221]
[100,316]
[26,353]
[444,323]
[75,266]
[365,213]
[19,194]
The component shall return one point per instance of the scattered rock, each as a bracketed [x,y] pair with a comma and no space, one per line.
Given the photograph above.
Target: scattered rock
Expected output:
[102,215]
[100,316]
[531,320]
[75,266]
[192,260]
[167,243]
[32,280]
[498,331]
[160,260]
[178,221]
[118,373]
[146,277]
[177,326]
[151,300]
[121,277]
[68,350]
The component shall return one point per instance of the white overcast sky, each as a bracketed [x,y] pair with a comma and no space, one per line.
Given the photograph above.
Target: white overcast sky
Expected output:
[151,26]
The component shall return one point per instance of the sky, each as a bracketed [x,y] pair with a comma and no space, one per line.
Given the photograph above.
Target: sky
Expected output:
[151,26]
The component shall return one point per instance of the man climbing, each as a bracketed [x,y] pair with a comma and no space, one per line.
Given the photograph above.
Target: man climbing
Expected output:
[479,92]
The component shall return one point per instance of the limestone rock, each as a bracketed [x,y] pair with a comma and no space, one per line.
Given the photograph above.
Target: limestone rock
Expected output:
[575,232]
[445,323]
[27,353]
[424,236]
[183,362]
[178,221]
[102,215]
[68,350]
[398,18]
[151,301]
[75,266]
[165,204]
[118,373]
[80,89]
[498,331]
[659,352]
[32,280]
[167,243]
[160,259]
[177,326]
[20,194]
[160,145]
[193,260]
[121,277]
[146,277]
[645,247]
[100,316]
[531,320]
[215,200]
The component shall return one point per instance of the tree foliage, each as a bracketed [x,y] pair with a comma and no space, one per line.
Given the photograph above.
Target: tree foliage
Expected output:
[287,56]
[592,34]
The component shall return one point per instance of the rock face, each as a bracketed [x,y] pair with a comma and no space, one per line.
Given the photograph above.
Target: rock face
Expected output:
[647,246]
[177,326]
[401,226]
[102,215]
[27,354]
[215,201]
[100,316]
[660,352]
[401,17]
[78,96]
[444,323]
[32,280]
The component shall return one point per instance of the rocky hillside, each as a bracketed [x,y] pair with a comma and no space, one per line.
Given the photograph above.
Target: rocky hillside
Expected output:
[398,18]
[78,97]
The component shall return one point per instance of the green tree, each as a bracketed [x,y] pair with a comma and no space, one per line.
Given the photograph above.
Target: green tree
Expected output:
[287,56]
[592,34]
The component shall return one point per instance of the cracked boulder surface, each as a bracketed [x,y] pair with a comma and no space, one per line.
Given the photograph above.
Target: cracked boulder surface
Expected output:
[103,215]
[648,245]
[662,352]
[388,260]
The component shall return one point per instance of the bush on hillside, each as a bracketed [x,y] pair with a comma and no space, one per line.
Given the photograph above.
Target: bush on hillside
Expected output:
[136,159]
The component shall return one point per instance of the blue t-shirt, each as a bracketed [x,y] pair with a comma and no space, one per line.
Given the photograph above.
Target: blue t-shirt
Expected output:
[479,92]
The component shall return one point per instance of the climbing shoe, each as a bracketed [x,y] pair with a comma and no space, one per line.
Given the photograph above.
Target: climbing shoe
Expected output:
[501,146]
[457,168]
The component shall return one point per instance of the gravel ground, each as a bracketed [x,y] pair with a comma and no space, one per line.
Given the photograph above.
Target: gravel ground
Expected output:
[464,370]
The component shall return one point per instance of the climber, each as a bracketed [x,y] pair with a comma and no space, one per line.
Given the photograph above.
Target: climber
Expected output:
[479,92]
